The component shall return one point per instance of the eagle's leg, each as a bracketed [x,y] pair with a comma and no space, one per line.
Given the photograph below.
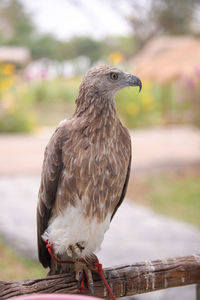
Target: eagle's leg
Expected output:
[80,267]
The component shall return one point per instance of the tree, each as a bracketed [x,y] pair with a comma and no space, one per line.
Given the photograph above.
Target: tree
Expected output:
[46,45]
[17,22]
[85,46]
[155,17]
[174,17]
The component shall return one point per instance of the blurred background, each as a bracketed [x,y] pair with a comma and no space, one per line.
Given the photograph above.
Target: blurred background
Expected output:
[45,48]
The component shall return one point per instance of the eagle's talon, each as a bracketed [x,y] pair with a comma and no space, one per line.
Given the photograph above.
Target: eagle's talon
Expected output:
[75,250]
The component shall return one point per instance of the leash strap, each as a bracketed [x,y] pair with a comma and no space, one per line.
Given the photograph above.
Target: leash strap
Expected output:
[50,250]
[100,271]
[98,266]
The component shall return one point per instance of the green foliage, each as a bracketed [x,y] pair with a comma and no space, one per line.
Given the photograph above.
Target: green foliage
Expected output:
[48,102]
[57,90]
[15,114]
[153,106]
[161,104]
[54,100]
[18,121]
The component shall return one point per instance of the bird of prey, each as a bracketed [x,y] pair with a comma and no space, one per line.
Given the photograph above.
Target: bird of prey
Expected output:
[85,171]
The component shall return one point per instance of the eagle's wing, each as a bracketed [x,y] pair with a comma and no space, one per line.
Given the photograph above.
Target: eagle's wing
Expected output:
[51,170]
[124,187]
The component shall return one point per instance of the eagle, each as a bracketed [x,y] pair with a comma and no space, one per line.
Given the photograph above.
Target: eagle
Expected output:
[85,172]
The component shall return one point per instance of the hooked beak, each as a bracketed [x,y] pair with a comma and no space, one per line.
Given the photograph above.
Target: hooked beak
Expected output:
[132,80]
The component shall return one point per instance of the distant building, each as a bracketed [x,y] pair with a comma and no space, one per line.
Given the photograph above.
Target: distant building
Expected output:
[43,68]
[16,55]
[165,59]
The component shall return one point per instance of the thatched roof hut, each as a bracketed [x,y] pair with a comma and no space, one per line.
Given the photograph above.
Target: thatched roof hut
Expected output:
[166,59]
[15,55]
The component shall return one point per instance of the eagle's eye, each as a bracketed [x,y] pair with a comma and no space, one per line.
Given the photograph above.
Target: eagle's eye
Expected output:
[114,76]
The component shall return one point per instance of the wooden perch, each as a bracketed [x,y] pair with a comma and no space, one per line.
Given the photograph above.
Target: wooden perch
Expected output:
[126,280]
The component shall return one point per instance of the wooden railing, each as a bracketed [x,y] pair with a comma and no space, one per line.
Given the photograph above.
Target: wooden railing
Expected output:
[126,280]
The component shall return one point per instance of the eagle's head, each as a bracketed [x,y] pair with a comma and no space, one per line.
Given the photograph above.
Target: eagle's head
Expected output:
[107,80]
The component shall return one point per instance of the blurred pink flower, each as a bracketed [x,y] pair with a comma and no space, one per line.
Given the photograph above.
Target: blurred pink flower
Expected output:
[190,83]
[197,71]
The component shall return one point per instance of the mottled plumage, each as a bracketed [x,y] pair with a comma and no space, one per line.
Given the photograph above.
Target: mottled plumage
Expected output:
[86,168]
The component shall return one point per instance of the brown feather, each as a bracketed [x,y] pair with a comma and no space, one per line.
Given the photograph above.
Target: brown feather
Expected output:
[51,170]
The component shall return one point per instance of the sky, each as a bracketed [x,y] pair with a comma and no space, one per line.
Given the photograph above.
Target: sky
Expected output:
[67,18]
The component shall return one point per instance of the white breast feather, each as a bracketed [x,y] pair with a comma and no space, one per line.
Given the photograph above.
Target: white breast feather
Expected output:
[71,227]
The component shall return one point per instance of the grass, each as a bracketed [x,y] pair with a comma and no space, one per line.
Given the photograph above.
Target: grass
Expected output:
[13,267]
[174,195]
